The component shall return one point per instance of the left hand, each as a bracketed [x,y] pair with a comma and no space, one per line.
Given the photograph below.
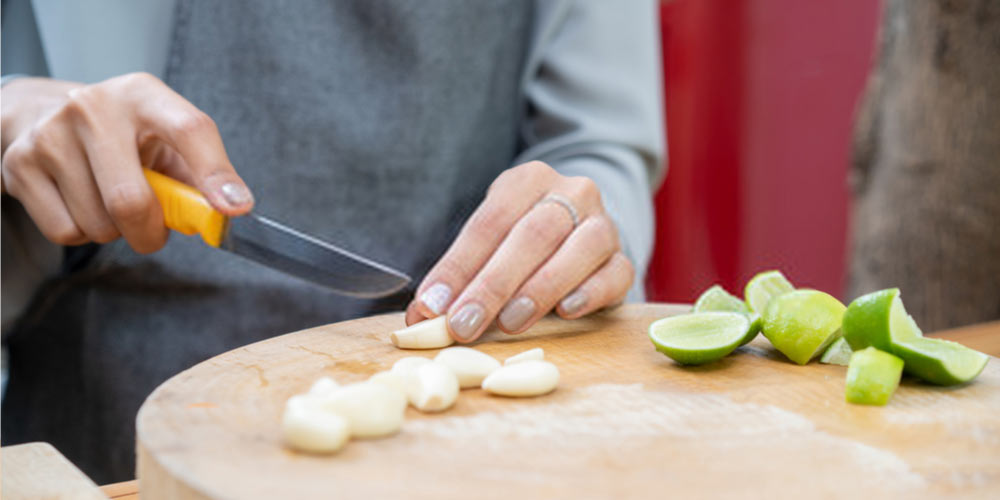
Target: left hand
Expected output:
[521,254]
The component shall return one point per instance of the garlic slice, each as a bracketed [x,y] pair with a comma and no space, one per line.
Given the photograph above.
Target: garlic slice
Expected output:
[469,365]
[390,379]
[526,378]
[531,354]
[324,385]
[307,426]
[428,334]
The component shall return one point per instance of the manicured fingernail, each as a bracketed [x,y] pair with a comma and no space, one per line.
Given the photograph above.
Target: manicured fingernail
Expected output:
[466,322]
[436,297]
[237,195]
[574,302]
[516,312]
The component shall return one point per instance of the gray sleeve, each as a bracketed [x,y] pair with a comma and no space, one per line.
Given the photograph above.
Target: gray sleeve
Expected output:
[593,85]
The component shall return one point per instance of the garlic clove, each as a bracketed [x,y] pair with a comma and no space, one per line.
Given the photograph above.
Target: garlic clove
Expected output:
[373,409]
[324,385]
[536,354]
[523,379]
[307,426]
[469,365]
[390,379]
[427,334]
[433,388]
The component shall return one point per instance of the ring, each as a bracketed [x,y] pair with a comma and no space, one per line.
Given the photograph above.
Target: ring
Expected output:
[561,200]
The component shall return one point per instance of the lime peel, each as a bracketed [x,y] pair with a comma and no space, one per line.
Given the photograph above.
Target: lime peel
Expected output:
[698,338]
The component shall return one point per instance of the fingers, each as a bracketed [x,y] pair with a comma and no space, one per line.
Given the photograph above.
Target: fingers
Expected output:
[40,198]
[511,196]
[607,286]
[586,250]
[195,137]
[531,241]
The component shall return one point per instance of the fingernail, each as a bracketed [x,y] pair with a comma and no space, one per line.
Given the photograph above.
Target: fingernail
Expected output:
[574,302]
[436,297]
[465,323]
[516,312]
[237,195]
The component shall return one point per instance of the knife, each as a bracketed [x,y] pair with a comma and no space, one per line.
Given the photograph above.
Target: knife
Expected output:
[273,244]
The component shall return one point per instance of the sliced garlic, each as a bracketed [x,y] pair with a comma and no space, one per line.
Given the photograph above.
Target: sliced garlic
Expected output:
[406,367]
[525,378]
[531,354]
[469,365]
[432,387]
[307,426]
[390,379]
[373,409]
[428,334]
[324,385]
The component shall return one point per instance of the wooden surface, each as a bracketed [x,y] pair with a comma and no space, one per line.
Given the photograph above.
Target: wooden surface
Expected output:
[984,337]
[125,490]
[624,422]
[37,471]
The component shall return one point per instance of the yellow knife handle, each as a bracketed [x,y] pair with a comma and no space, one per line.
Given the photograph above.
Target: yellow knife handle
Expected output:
[185,210]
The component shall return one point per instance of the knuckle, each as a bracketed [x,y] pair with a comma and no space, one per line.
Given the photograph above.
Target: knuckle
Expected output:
[606,231]
[453,270]
[540,230]
[535,170]
[137,79]
[62,233]
[487,223]
[585,190]
[104,233]
[128,202]
[493,292]
[193,122]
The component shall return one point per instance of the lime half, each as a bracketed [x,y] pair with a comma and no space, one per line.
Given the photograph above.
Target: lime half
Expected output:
[763,287]
[839,353]
[802,323]
[872,377]
[698,338]
[717,298]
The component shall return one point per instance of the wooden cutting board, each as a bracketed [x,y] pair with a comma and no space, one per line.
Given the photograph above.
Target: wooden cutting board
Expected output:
[625,422]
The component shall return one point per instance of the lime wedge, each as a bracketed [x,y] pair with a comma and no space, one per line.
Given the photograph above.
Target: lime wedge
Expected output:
[802,323]
[940,361]
[763,287]
[698,338]
[839,353]
[717,298]
[872,377]
[879,319]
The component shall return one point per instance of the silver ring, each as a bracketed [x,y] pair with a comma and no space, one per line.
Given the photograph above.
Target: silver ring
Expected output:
[561,200]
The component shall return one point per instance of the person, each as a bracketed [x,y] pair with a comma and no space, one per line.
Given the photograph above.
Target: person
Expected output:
[502,151]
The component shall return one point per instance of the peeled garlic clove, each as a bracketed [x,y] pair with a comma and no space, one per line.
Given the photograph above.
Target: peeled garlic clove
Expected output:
[526,378]
[372,409]
[433,387]
[324,385]
[307,426]
[406,367]
[428,334]
[390,379]
[531,354]
[469,365]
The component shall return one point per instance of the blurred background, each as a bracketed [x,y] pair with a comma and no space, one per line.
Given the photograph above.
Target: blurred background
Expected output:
[760,102]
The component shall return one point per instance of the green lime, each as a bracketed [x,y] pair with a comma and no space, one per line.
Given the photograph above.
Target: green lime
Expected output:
[940,361]
[872,377]
[717,298]
[879,319]
[698,338]
[802,323]
[763,287]
[839,353]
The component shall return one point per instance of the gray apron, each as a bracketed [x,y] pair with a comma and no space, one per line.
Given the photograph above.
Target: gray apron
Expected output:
[377,125]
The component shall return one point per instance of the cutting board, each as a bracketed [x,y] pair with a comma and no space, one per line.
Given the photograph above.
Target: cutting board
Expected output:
[625,422]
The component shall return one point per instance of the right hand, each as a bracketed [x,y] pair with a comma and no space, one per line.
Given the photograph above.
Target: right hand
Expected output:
[73,156]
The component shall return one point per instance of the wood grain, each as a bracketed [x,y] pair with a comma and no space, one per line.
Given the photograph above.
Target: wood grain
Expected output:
[624,422]
[37,471]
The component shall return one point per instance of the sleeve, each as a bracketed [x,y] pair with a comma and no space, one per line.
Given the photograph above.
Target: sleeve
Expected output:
[593,91]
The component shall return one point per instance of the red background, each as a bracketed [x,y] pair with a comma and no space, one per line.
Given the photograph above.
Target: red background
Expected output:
[760,98]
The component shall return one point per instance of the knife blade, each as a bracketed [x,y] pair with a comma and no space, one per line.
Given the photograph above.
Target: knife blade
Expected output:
[273,244]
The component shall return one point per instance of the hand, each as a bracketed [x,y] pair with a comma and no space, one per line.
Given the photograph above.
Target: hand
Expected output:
[519,256]
[72,155]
